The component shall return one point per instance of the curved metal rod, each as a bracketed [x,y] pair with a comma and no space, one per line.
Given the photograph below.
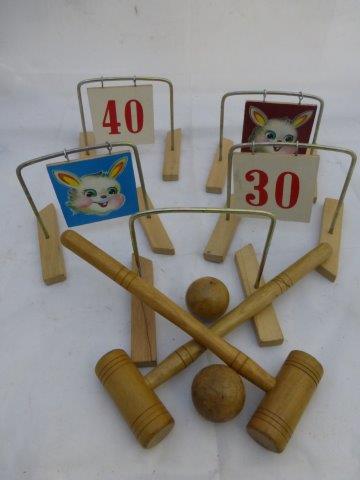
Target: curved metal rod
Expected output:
[237,211]
[300,95]
[65,153]
[127,79]
[312,146]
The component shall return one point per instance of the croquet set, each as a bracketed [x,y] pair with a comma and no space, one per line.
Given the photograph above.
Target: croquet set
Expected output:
[270,174]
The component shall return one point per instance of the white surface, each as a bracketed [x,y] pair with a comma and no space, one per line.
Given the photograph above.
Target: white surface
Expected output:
[56,422]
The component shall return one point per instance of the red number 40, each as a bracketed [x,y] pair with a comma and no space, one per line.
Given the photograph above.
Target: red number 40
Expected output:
[262,196]
[133,111]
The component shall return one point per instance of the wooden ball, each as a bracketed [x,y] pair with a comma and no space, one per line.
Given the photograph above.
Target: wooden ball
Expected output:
[207,298]
[218,393]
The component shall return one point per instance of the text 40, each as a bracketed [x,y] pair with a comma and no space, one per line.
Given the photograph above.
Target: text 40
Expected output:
[133,114]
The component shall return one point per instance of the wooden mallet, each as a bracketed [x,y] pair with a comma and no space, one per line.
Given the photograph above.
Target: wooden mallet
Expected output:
[190,351]
[279,412]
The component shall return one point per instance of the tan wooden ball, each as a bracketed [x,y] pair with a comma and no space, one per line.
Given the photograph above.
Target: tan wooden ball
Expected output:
[207,298]
[218,393]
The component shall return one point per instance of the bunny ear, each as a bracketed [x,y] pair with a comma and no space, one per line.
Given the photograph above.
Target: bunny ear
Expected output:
[302,118]
[258,116]
[67,178]
[117,168]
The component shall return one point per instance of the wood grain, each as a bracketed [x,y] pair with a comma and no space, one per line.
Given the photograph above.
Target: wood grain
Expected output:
[267,328]
[329,269]
[143,328]
[90,143]
[154,230]
[171,164]
[145,414]
[163,305]
[278,414]
[217,175]
[51,254]
[221,237]
[186,354]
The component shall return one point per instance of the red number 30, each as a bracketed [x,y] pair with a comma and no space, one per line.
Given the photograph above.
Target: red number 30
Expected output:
[260,187]
[262,197]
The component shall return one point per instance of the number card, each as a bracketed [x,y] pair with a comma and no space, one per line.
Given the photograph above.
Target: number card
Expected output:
[97,189]
[277,122]
[122,114]
[281,184]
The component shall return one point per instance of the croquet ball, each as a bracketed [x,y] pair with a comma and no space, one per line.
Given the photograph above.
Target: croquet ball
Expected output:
[218,393]
[207,298]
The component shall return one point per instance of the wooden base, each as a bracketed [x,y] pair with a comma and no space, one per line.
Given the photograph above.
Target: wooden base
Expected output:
[90,143]
[267,328]
[143,329]
[217,175]
[172,157]
[221,237]
[51,254]
[154,230]
[329,269]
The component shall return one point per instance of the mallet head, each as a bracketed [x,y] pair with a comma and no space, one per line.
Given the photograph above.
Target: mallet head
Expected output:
[280,410]
[141,408]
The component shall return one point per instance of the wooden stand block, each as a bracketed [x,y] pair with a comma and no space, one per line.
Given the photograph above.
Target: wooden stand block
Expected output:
[267,328]
[154,230]
[329,269]
[172,157]
[221,237]
[90,143]
[217,175]
[51,254]
[143,329]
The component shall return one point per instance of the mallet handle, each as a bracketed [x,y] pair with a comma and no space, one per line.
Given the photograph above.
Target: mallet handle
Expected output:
[253,304]
[159,302]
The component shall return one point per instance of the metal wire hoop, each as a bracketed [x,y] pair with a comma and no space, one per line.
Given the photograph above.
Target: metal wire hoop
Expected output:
[298,145]
[133,79]
[236,211]
[264,93]
[66,153]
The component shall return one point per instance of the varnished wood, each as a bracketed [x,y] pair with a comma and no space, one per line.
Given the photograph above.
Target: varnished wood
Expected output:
[145,414]
[218,393]
[51,254]
[163,305]
[289,393]
[143,329]
[90,143]
[171,164]
[207,298]
[221,237]
[280,410]
[154,229]
[255,303]
[267,328]
[217,175]
[329,269]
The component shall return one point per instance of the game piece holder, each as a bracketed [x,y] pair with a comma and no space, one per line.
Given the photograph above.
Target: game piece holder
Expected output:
[173,139]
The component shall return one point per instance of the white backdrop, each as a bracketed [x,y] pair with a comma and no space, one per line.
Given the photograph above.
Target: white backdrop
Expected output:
[56,422]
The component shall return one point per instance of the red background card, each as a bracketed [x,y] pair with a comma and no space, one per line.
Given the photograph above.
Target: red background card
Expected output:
[279,110]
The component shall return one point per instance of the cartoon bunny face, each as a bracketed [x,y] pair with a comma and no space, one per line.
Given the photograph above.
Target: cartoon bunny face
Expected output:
[95,194]
[272,130]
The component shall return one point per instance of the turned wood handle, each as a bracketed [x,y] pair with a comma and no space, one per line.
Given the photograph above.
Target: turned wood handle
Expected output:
[162,304]
[252,305]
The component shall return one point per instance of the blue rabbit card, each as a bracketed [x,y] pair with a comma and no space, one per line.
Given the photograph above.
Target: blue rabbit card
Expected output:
[100,188]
